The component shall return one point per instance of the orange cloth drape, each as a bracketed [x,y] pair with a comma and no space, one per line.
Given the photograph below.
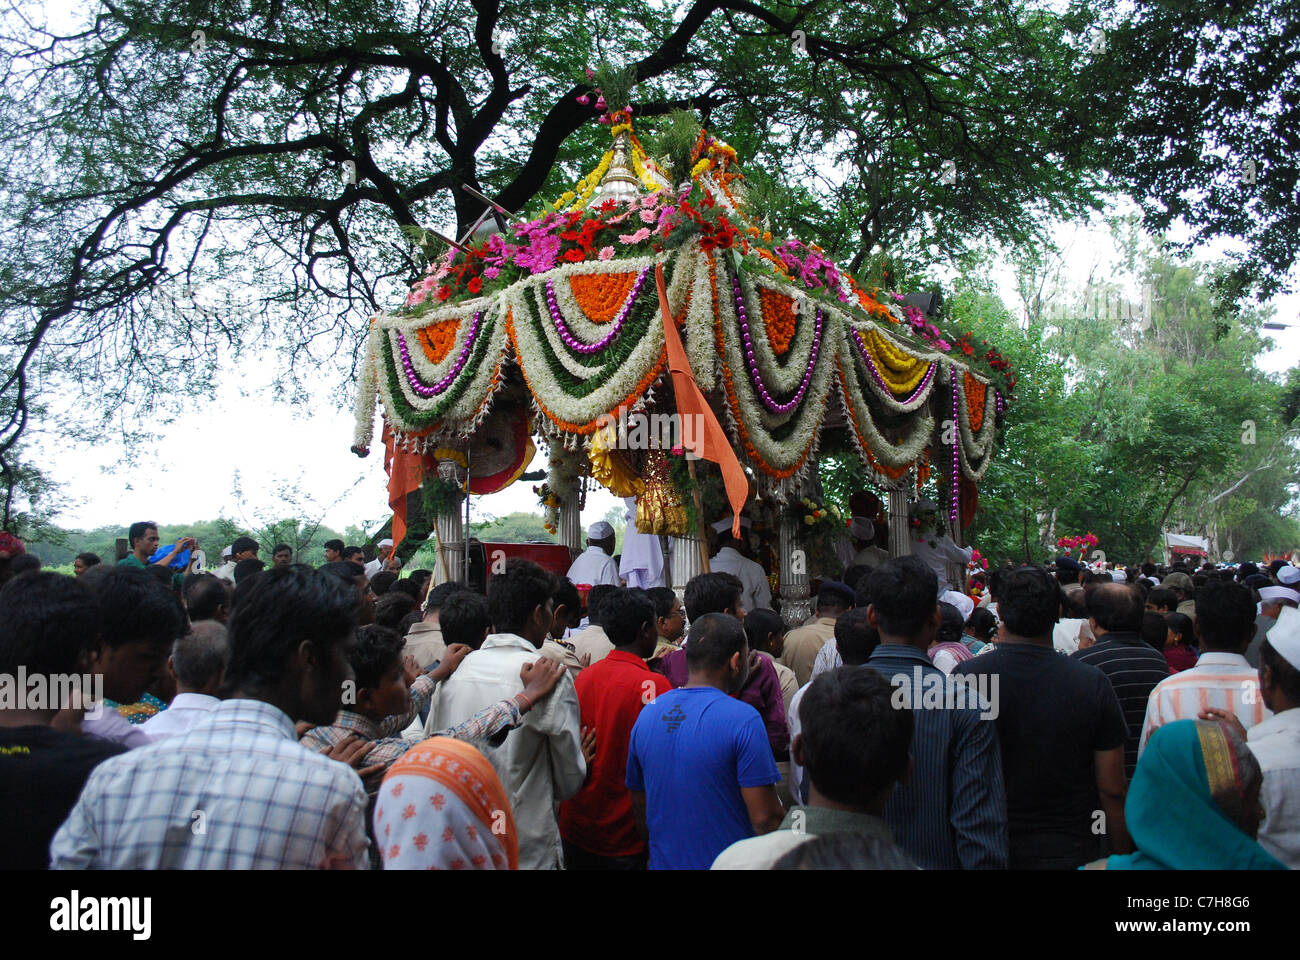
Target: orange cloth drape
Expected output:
[710,443]
[405,471]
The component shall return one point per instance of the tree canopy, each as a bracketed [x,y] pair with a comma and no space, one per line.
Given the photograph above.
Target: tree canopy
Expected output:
[191,180]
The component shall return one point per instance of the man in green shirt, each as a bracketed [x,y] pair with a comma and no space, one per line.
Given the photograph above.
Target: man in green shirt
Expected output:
[143,538]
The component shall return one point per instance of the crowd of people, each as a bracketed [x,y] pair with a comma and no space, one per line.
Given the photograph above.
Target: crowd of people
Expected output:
[359,716]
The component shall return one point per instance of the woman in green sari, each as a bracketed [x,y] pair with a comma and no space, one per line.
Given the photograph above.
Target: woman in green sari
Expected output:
[1194,803]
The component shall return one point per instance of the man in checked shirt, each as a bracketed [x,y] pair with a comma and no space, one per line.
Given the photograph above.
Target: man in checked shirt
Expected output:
[237,790]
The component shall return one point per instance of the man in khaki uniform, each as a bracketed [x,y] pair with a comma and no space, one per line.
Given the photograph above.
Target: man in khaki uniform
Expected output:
[804,643]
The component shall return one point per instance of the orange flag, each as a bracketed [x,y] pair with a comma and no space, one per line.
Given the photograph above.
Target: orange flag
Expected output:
[711,442]
[405,471]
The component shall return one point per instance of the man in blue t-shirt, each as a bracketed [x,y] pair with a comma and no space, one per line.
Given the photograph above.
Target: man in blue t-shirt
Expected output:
[699,765]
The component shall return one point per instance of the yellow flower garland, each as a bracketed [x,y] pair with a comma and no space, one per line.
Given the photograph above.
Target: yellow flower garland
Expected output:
[900,369]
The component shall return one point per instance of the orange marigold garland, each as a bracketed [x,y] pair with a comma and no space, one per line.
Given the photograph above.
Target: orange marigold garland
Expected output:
[601,295]
[779,318]
[976,394]
[438,339]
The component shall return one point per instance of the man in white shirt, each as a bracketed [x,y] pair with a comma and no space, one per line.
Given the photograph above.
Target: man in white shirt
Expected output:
[198,666]
[383,550]
[227,569]
[1222,678]
[1276,741]
[757,594]
[542,761]
[934,550]
[244,548]
[596,564]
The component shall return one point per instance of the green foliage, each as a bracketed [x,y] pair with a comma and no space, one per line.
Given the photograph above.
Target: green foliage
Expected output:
[1210,94]
[615,84]
[441,497]
[675,141]
[1129,428]
[512,528]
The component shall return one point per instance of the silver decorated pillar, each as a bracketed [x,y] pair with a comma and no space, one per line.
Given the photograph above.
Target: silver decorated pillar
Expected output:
[571,523]
[900,535]
[450,530]
[685,563]
[796,603]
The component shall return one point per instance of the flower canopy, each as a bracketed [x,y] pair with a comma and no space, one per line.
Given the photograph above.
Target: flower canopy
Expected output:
[781,340]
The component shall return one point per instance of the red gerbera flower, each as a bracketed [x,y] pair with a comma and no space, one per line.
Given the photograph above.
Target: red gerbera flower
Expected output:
[476,285]
[574,256]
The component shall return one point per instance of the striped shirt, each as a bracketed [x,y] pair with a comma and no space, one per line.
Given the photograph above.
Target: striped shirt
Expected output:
[1134,670]
[1221,680]
[235,792]
[952,814]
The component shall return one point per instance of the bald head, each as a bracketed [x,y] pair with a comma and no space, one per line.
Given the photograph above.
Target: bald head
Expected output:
[1115,608]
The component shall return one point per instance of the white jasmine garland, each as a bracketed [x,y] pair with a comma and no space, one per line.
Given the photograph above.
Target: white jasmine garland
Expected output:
[533,327]
[467,408]
[701,325]
[367,397]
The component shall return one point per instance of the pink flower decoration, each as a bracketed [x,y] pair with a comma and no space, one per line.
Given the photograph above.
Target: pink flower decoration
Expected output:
[648,215]
[600,102]
[584,99]
[637,237]
[491,272]
[606,253]
[540,255]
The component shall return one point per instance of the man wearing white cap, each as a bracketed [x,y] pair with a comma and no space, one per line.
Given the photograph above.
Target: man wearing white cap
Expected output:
[641,563]
[936,551]
[757,595]
[383,550]
[227,569]
[1272,600]
[1275,741]
[863,532]
[596,564]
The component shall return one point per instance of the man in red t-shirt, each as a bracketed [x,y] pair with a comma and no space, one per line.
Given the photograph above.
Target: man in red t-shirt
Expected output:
[597,826]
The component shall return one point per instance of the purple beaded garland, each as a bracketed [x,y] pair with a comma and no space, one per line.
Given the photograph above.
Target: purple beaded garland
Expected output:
[752,366]
[572,342]
[413,378]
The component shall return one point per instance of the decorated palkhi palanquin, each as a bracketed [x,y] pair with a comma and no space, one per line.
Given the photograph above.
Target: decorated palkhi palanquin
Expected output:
[545,328]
